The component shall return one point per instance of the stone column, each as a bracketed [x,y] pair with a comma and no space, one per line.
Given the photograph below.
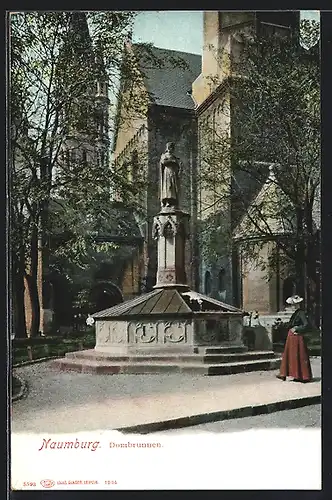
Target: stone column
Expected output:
[170,229]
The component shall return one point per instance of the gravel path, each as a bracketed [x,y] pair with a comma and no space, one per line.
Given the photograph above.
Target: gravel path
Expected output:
[65,401]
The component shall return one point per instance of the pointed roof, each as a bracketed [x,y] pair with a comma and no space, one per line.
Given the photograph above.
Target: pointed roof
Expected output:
[78,25]
[79,40]
[165,301]
[168,75]
[262,216]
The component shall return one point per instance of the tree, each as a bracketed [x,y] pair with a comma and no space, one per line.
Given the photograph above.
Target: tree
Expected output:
[56,59]
[272,103]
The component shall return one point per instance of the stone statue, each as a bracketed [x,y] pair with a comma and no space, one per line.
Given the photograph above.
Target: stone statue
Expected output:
[170,168]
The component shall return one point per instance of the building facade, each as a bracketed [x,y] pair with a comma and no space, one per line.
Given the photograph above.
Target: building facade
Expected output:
[167,115]
[194,116]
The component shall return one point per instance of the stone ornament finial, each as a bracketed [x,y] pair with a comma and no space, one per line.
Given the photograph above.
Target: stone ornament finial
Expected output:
[170,169]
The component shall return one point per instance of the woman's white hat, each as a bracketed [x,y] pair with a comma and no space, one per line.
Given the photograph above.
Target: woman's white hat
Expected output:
[294,299]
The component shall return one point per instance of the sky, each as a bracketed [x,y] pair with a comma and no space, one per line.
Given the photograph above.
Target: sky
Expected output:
[179,30]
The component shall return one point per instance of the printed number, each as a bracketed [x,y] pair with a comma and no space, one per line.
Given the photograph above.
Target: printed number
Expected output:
[111,481]
[29,483]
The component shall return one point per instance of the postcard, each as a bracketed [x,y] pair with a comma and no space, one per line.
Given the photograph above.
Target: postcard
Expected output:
[165,250]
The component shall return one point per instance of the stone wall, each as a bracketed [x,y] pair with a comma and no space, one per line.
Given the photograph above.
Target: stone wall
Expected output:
[259,294]
[132,276]
[214,198]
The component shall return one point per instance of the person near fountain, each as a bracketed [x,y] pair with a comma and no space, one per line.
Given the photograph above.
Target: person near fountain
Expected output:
[169,177]
[295,361]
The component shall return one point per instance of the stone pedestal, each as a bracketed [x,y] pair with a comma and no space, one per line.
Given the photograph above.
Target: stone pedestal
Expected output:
[170,229]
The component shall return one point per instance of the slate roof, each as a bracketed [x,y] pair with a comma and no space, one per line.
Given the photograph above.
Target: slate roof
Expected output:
[165,301]
[169,84]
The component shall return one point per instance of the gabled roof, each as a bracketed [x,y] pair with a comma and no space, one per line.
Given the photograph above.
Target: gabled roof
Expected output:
[261,216]
[168,75]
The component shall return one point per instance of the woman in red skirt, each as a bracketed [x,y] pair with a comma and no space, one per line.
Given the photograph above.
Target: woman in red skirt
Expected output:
[295,361]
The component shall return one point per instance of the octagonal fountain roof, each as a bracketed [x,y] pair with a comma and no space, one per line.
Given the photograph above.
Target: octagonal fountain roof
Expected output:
[166,301]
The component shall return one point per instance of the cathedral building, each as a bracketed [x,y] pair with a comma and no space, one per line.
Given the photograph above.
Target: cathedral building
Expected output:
[189,106]
[217,113]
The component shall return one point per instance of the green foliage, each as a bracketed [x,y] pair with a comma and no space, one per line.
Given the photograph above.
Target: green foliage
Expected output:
[272,96]
[53,347]
[59,131]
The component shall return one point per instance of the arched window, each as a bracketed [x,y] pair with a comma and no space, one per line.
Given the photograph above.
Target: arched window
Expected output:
[84,157]
[134,164]
[67,158]
[207,283]
[221,280]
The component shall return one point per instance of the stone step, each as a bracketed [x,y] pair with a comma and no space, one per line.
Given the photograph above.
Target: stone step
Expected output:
[178,350]
[169,358]
[97,367]
[222,349]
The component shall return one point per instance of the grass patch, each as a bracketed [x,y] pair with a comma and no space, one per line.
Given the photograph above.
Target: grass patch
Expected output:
[51,349]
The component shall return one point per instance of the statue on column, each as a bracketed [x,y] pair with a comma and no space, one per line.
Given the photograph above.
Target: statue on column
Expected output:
[170,169]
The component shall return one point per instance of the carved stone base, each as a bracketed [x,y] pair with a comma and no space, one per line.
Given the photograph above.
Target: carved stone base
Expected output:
[178,332]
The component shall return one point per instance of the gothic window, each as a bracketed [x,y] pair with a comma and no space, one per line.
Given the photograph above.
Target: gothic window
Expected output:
[221,280]
[102,157]
[102,88]
[168,231]
[84,119]
[207,283]
[134,164]
[73,158]
[67,158]
[84,157]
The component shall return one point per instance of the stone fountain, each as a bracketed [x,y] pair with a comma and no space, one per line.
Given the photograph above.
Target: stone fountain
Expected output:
[171,328]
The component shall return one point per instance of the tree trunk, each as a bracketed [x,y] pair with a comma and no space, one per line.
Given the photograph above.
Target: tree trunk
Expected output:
[32,280]
[18,303]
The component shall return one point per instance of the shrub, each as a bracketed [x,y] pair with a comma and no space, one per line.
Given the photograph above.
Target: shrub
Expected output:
[249,337]
[279,332]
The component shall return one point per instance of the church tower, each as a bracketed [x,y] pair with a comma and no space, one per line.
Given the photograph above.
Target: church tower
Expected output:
[215,111]
[220,30]
[87,120]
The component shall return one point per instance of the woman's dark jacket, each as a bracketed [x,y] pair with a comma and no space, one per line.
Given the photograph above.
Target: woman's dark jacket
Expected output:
[299,320]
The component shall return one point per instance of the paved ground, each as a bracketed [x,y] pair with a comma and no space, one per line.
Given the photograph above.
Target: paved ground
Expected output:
[306,417]
[72,402]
